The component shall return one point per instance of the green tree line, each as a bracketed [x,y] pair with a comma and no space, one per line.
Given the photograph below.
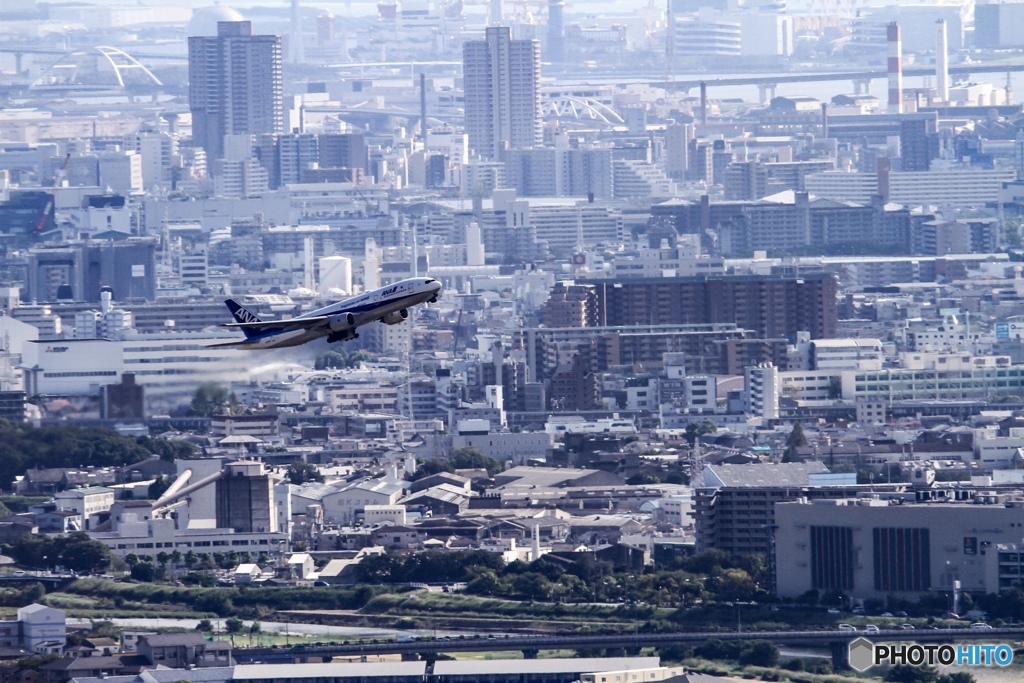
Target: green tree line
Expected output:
[23,447]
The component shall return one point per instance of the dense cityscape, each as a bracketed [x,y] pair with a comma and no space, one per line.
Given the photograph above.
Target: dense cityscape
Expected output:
[598,342]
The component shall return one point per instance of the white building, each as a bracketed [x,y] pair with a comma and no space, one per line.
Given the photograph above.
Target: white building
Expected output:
[846,354]
[89,502]
[345,505]
[761,391]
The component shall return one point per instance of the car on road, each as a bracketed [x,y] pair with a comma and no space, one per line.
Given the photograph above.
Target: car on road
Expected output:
[906,627]
[981,627]
[833,610]
[847,628]
[902,614]
[886,614]
[871,628]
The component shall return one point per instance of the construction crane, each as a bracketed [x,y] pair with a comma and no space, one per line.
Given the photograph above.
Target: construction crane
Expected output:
[48,209]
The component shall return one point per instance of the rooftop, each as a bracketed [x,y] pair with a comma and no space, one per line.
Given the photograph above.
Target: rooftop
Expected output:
[759,475]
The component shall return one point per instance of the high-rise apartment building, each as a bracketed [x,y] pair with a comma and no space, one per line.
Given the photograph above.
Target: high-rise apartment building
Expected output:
[235,85]
[771,306]
[502,85]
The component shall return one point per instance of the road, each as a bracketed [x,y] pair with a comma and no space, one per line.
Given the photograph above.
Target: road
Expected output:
[620,642]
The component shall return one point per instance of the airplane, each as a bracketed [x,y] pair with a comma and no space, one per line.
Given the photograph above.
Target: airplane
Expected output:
[337,322]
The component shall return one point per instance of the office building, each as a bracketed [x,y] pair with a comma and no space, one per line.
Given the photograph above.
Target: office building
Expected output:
[343,150]
[235,85]
[502,85]
[872,548]
[919,143]
[78,271]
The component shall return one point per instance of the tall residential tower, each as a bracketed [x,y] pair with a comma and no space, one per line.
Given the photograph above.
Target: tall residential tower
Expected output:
[235,85]
[502,85]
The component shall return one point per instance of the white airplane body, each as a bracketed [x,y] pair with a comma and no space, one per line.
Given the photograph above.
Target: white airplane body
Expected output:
[337,322]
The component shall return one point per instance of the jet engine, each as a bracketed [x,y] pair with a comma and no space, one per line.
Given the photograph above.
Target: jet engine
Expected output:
[342,322]
[395,317]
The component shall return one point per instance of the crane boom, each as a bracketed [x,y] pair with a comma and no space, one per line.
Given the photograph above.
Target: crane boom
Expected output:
[52,201]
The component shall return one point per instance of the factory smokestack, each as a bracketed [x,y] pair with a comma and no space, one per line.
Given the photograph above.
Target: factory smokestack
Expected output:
[703,103]
[941,61]
[296,49]
[423,107]
[895,44]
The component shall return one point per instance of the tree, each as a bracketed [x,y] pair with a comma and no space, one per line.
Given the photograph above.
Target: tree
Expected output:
[255,628]
[144,571]
[33,592]
[957,677]
[176,557]
[191,559]
[759,653]
[163,558]
[639,479]
[835,388]
[796,439]
[735,584]
[76,551]
[131,559]
[210,399]
[233,625]
[694,431]
[205,626]
[303,472]
[23,446]
[471,458]
[906,673]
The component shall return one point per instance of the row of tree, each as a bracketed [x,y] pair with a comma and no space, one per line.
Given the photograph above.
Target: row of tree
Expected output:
[709,575]
[23,447]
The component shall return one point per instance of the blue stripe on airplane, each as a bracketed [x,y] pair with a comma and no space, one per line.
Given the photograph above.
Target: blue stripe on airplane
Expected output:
[353,309]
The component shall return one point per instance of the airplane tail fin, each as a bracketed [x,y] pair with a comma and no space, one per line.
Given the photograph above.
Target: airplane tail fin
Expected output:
[242,314]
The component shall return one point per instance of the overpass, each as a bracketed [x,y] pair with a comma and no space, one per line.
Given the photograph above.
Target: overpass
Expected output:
[615,644]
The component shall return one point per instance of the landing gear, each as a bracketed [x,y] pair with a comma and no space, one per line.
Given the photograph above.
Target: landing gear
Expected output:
[341,336]
[432,300]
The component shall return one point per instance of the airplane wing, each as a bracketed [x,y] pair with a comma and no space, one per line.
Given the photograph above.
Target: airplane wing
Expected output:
[226,344]
[290,324]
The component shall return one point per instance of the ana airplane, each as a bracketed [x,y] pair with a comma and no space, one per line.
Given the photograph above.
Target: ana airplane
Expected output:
[337,322]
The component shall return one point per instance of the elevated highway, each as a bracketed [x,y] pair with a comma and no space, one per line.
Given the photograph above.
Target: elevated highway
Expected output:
[618,643]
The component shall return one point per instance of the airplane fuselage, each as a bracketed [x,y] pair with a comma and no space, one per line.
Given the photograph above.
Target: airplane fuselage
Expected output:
[338,321]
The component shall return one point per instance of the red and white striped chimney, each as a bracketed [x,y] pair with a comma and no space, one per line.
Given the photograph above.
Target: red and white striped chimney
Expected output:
[895,44]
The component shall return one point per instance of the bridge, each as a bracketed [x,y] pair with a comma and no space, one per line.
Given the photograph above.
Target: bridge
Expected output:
[769,84]
[616,644]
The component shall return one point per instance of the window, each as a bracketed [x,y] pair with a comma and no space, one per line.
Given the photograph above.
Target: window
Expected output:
[902,559]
